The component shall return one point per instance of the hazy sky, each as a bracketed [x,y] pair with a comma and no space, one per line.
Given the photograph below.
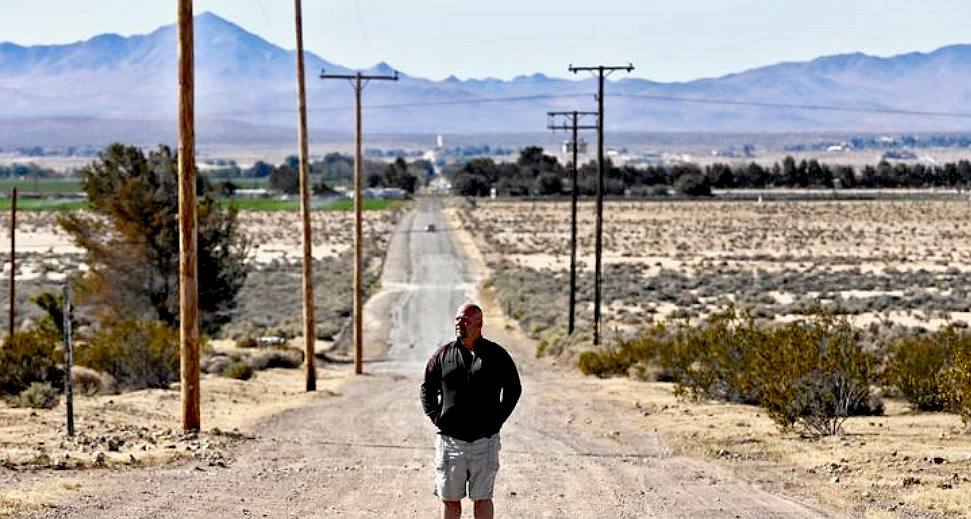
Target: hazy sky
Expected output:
[667,40]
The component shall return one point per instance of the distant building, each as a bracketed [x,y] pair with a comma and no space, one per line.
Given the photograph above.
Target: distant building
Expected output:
[385,193]
[251,193]
[898,155]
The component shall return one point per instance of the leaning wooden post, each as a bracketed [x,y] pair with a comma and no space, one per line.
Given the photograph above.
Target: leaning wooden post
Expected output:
[309,330]
[13,257]
[188,287]
[68,359]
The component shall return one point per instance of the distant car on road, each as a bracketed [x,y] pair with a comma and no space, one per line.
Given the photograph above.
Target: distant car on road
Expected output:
[430,227]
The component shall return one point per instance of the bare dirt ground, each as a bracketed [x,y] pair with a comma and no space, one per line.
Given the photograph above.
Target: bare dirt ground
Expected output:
[573,448]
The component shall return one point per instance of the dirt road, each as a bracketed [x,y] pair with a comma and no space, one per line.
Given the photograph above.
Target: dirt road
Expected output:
[567,452]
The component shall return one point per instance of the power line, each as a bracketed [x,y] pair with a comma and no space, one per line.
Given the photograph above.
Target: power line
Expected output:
[676,99]
[443,102]
[734,102]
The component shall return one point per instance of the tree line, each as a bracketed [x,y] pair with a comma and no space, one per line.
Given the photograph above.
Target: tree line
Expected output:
[537,174]
[333,169]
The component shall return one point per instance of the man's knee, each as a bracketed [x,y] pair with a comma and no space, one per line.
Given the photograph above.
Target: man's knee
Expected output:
[452,505]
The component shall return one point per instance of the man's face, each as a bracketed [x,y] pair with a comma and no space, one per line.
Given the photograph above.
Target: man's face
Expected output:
[468,322]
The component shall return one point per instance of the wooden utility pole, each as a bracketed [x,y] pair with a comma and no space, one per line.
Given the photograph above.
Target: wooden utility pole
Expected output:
[188,282]
[574,119]
[13,257]
[68,359]
[602,72]
[309,330]
[358,81]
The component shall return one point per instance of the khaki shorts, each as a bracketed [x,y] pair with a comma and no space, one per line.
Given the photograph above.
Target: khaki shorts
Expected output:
[459,463]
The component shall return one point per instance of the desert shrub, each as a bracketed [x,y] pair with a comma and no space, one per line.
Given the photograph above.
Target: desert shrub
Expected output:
[814,376]
[216,364]
[716,360]
[602,364]
[30,356]
[238,370]
[555,341]
[956,380]
[808,376]
[40,395]
[915,366]
[276,358]
[89,382]
[246,342]
[648,348]
[137,353]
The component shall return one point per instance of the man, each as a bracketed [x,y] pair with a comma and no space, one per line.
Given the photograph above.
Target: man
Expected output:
[471,387]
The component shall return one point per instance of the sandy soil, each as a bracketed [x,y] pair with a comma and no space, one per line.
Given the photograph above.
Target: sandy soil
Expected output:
[139,430]
[572,449]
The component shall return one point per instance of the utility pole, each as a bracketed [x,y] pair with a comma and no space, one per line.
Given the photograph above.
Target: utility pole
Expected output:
[602,72]
[13,257]
[309,330]
[574,119]
[188,282]
[358,81]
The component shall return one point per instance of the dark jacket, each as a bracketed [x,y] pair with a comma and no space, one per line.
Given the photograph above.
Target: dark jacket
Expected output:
[469,402]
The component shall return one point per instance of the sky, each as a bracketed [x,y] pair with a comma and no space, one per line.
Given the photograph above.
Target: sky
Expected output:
[666,40]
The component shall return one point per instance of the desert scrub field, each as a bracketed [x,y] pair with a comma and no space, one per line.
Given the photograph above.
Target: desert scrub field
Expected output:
[889,273]
[269,300]
[903,261]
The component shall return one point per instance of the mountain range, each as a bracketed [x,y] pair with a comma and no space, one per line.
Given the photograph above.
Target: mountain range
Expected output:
[112,87]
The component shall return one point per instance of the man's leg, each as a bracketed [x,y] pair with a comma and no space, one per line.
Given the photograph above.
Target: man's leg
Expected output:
[482,509]
[453,509]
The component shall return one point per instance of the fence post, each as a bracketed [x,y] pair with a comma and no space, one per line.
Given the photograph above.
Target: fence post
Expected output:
[69,359]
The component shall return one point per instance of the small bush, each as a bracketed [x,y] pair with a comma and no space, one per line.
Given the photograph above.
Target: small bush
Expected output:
[956,381]
[815,377]
[89,382]
[137,353]
[276,358]
[716,360]
[246,342]
[915,367]
[809,377]
[30,356]
[216,364]
[238,370]
[40,395]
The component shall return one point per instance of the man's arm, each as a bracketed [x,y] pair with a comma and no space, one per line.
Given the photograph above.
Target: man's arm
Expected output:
[511,389]
[431,387]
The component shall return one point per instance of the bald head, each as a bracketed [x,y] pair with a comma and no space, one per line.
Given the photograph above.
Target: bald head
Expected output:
[468,323]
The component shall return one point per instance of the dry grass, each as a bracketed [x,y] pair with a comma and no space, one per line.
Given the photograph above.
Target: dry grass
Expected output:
[901,464]
[906,261]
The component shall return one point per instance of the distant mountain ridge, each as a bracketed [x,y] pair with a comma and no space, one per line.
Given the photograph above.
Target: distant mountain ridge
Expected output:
[242,77]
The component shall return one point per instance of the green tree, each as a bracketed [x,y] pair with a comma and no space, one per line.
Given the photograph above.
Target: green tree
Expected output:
[285,178]
[259,170]
[131,241]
